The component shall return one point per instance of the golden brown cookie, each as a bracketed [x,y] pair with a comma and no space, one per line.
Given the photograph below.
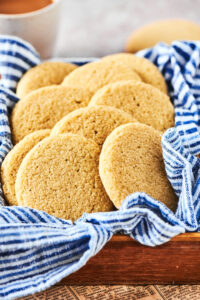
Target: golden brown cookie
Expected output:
[12,161]
[144,102]
[60,176]
[162,31]
[95,75]
[131,161]
[43,108]
[93,122]
[148,72]
[45,74]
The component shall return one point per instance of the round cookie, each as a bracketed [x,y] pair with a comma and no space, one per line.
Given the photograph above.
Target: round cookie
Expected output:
[94,122]
[95,75]
[12,162]
[148,72]
[131,161]
[60,176]
[45,74]
[162,31]
[144,102]
[43,108]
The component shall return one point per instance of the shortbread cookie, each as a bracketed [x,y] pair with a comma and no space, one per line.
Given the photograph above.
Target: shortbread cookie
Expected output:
[94,122]
[45,74]
[12,161]
[148,72]
[43,108]
[131,161]
[144,102]
[60,176]
[162,31]
[97,74]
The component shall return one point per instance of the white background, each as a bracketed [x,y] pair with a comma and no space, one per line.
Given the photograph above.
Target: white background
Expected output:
[99,27]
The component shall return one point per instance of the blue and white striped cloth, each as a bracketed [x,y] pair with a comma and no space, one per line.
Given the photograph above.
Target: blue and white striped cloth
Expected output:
[36,249]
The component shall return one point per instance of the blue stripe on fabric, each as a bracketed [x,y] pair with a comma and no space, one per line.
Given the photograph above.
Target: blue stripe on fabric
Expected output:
[22,272]
[181,52]
[178,123]
[196,87]
[40,259]
[191,130]
[44,249]
[187,114]
[3,111]
[11,97]
[191,45]
[13,65]
[20,56]
[10,217]
[20,241]
[185,99]
[10,77]
[20,44]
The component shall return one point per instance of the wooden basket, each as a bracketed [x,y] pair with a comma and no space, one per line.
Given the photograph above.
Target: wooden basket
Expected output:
[125,261]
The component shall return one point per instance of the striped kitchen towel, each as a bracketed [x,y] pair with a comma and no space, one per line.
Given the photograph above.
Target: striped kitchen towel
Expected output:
[36,249]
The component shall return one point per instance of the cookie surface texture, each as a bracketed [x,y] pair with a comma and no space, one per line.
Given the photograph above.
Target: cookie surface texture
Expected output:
[165,31]
[13,160]
[60,176]
[144,102]
[148,72]
[93,122]
[131,161]
[45,74]
[97,74]
[43,108]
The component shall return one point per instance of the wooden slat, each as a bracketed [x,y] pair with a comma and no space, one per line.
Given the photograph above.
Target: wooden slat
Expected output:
[125,261]
[194,236]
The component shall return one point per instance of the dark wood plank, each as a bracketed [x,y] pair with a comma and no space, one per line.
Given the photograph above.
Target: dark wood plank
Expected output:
[124,261]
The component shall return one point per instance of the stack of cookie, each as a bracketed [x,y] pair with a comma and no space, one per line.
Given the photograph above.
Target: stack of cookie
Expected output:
[87,137]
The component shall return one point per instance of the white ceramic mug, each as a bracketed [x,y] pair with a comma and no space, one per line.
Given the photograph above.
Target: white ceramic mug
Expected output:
[39,27]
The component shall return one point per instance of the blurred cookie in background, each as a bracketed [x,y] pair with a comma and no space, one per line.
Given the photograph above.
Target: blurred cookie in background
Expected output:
[162,31]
